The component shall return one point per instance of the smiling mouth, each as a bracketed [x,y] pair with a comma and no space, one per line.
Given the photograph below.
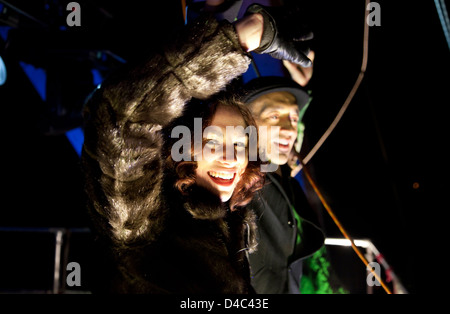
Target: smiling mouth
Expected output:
[282,144]
[222,178]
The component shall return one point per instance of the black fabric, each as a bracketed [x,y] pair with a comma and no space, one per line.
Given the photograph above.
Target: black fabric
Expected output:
[284,37]
[277,234]
[270,84]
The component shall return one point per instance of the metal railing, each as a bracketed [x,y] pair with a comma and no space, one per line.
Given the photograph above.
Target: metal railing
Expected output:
[372,255]
[58,261]
[60,234]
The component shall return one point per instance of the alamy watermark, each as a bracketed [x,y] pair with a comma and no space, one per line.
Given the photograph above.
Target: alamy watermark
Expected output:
[213,149]
[74,17]
[371,279]
[74,277]
[374,17]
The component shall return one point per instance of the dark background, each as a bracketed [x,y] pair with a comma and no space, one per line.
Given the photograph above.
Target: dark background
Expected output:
[383,170]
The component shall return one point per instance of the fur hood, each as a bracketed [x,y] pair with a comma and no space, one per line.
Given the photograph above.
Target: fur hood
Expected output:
[150,238]
[202,250]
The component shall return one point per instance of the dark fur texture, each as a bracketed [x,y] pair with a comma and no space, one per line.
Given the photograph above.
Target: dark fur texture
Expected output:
[152,239]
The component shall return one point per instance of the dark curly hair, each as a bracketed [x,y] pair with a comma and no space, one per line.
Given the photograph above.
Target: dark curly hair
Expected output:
[184,171]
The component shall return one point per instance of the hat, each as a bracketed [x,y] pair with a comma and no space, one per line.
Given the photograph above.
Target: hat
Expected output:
[269,84]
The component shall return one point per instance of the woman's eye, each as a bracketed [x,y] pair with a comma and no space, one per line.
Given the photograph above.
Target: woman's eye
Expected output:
[274,117]
[294,119]
[213,143]
[240,145]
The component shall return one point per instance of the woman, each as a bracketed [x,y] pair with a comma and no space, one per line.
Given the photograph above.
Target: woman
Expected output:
[166,226]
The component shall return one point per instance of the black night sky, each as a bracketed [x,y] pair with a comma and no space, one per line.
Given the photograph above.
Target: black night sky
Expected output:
[384,169]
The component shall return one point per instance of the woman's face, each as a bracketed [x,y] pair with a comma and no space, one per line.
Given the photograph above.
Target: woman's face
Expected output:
[215,171]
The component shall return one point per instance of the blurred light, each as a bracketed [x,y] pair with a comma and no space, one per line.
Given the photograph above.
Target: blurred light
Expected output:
[443,17]
[38,78]
[346,242]
[2,72]
[76,138]
[4,30]
[97,77]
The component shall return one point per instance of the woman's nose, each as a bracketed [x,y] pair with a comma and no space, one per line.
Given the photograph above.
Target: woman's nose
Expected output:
[229,154]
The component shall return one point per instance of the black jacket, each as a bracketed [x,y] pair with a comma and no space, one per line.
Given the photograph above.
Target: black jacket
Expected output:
[150,238]
[276,266]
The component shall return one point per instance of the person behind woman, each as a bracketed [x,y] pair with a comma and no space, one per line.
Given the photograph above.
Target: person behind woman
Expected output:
[164,225]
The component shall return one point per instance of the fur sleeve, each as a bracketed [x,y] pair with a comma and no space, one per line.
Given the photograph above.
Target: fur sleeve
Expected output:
[122,150]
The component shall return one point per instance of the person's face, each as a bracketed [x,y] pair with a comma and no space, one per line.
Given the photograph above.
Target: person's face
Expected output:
[214,171]
[277,109]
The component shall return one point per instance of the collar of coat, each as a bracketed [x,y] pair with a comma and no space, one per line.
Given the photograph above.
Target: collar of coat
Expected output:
[204,205]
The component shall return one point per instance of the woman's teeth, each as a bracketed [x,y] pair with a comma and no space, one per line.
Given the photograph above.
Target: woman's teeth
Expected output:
[221,175]
[283,142]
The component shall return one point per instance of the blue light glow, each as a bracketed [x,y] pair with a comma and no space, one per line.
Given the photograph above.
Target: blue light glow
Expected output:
[37,77]
[2,72]
[76,138]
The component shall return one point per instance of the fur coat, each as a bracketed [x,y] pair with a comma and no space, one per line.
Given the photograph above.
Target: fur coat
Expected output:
[150,238]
